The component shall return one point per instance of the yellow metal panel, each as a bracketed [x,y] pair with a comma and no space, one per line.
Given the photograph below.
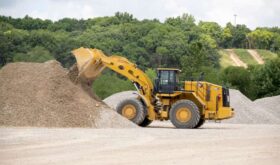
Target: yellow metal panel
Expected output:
[214,106]
[225,113]
[164,114]
[176,93]
[165,101]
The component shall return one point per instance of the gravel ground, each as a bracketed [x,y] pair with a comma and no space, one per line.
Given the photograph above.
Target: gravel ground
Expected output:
[248,144]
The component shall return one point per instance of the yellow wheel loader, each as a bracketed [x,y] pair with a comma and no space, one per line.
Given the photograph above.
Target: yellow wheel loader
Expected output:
[186,106]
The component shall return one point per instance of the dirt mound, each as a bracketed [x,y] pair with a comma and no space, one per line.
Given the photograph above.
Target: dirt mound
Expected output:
[42,95]
[263,111]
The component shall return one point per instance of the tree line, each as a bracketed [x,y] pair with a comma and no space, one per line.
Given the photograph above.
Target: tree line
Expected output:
[177,42]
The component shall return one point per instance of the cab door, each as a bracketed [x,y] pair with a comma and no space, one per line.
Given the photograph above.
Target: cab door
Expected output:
[166,82]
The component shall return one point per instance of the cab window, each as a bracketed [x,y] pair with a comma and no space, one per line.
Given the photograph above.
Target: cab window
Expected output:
[164,77]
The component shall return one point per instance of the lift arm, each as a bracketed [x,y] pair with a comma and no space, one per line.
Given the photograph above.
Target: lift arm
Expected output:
[91,62]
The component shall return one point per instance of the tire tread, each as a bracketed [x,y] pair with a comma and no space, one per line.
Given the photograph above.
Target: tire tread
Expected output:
[194,118]
[140,110]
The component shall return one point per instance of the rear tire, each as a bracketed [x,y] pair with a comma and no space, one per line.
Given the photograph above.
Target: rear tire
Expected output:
[146,122]
[184,114]
[132,109]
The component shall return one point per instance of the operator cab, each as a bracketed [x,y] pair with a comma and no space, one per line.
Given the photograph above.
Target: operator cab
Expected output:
[167,80]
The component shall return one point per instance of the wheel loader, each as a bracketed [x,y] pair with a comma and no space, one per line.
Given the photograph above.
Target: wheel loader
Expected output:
[186,106]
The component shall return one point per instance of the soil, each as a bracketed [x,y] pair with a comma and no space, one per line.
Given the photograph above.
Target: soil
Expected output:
[236,59]
[256,56]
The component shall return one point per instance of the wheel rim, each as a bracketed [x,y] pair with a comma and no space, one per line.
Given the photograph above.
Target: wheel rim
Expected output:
[129,111]
[183,114]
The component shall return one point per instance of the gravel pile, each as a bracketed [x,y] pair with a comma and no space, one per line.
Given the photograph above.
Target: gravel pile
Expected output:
[249,113]
[42,95]
[262,111]
[113,100]
[271,104]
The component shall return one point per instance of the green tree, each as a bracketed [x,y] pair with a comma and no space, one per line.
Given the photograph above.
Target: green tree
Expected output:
[238,33]
[151,73]
[68,24]
[36,54]
[192,63]
[185,22]
[226,38]
[276,44]
[175,43]
[208,41]
[135,52]
[267,79]
[119,18]
[239,78]
[124,17]
[26,23]
[13,41]
[261,39]
[108,84]
[212,29]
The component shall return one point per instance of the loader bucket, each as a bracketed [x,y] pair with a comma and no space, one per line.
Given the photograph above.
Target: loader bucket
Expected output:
[89,62]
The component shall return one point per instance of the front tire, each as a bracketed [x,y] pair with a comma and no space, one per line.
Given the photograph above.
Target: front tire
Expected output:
[184,114]
[146,122]
[132,109]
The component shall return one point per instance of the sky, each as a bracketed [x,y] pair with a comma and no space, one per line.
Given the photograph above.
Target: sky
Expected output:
[253,13]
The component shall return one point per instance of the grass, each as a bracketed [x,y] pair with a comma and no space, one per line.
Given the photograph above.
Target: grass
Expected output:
[225,60]
[245,56]
[266,55]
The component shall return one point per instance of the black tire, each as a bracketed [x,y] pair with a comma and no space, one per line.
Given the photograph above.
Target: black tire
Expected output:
[193,111]
[146,122]
[200,123]
[138,105]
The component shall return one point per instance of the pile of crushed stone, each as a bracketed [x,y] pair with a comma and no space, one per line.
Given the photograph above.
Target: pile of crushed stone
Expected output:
[113,100]
[247,112]
[42,95]
[262,111]
[271,104]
